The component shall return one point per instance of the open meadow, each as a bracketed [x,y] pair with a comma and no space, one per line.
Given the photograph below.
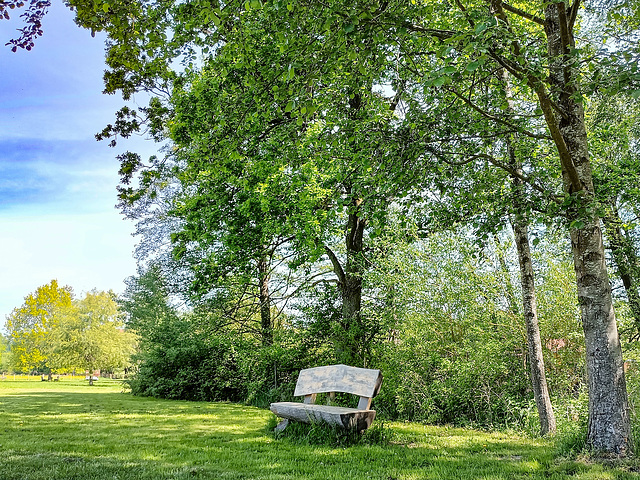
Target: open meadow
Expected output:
[68,430]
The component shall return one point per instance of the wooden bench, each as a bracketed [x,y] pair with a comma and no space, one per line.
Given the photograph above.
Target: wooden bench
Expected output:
[362,382]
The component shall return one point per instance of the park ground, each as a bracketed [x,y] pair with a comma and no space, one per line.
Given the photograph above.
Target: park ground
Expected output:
[68,430]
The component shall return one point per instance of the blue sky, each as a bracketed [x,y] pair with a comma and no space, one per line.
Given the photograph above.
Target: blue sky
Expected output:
[57,183]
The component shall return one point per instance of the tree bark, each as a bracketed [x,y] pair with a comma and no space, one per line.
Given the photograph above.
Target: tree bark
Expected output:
[266,326]
[351,344]
[352,287]
[534,344]
[609,425]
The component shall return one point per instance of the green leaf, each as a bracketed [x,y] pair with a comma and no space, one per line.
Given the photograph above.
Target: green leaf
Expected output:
[576,225]
[349,28]
[481,27]
[440,81]
[473,66]
[635,94]
[289,107]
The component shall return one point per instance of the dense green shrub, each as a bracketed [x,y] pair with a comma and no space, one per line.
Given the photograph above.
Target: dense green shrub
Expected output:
[198,369]
[477,381]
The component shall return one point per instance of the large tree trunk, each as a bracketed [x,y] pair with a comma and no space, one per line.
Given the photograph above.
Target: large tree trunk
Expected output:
[609,427]
[352,287]
[351,341]
[265,302]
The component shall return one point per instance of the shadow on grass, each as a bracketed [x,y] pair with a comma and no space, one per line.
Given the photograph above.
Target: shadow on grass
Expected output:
[99,435]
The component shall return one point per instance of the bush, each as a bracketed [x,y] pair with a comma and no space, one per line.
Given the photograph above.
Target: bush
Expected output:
[479,382]
[195,364]
[571,418]
[201,369]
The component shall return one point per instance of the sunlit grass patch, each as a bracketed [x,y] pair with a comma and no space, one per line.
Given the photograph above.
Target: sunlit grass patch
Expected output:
[73,431]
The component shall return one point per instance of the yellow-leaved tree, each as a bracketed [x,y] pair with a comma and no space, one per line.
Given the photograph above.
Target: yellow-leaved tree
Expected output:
[32,325]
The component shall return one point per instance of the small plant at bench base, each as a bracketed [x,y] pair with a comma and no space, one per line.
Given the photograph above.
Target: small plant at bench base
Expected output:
[362,382]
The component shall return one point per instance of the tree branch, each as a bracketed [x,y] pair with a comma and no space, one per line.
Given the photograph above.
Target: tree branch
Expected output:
[397,97]
[440,34]
[573,14]
[522,13]
[494,118]
[558,139]
[512,171]
[337,268]
[512,67]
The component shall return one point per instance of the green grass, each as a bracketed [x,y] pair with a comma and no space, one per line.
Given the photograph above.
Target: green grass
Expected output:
[68,430]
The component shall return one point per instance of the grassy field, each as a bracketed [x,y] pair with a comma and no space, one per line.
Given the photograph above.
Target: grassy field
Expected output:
[68,430]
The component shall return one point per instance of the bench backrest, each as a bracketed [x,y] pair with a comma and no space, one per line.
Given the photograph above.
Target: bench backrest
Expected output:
[363,382]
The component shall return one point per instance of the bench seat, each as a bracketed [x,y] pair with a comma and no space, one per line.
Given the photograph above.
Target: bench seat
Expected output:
[362,382]
[343,417]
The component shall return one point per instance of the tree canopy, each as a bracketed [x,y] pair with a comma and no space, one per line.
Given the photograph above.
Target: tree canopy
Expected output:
[31,327]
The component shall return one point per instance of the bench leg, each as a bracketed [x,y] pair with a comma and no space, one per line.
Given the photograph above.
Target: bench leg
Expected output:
[281,426]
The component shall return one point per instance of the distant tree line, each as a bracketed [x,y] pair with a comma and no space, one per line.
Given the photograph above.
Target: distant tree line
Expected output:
[53,332]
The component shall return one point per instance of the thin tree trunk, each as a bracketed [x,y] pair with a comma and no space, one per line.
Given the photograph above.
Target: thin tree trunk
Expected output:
[519,224]
[609,429]
[266,326]
[534,344]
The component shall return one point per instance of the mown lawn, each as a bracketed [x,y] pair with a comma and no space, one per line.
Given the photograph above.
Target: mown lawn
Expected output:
[68,430]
